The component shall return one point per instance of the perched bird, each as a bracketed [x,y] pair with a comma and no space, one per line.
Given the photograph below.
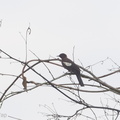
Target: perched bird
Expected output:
[71,67]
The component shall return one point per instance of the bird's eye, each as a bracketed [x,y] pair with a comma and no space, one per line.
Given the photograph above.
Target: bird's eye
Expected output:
[67,63]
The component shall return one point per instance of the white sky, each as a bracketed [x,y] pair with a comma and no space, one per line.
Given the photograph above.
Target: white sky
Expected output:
[92,26]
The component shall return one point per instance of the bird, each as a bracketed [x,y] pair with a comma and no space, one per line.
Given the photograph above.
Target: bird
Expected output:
[71,67]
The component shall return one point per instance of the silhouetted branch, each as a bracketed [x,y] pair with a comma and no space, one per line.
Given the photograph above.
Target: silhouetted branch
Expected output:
[74,91]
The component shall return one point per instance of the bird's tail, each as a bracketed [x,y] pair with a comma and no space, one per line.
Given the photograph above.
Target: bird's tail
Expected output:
[79,79]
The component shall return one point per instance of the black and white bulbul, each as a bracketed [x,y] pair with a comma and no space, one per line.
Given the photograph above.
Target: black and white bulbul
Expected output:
[71,67]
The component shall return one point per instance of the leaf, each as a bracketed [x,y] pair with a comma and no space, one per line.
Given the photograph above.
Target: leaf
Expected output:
[24,83]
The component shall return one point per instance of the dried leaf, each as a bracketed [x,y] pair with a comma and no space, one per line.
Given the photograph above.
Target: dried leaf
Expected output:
[24,83]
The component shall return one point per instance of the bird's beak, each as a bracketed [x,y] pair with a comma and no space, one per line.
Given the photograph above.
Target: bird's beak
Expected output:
[57,56]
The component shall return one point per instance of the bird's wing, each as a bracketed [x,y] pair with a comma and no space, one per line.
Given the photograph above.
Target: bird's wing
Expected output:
[68,64]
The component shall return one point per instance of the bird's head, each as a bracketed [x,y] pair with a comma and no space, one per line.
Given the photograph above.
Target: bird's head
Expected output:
[63,55]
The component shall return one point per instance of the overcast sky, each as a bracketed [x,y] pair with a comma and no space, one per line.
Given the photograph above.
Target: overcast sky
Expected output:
[91,26]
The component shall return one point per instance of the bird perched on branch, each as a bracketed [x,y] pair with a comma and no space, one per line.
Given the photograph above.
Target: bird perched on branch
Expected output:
[71,67]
